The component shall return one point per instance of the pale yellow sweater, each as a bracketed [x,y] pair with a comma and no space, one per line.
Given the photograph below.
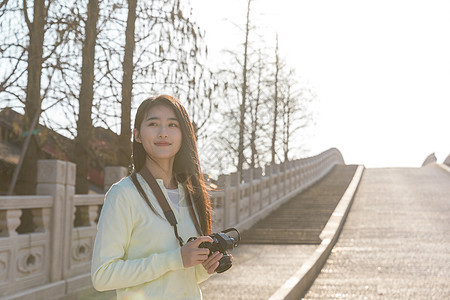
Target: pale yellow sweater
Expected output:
[136,252]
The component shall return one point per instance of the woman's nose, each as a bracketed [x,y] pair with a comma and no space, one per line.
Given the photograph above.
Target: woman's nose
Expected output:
[162,132]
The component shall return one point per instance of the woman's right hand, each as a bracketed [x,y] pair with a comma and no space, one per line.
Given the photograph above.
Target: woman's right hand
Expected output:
[192,255]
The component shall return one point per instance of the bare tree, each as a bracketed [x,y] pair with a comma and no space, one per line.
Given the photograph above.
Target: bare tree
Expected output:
[127,87]
[236,77]
[30,59]
[290,106]
[276,100]
[84,124]
[162,53]
[256,103]
[297,113]
[28,173]
[242,107]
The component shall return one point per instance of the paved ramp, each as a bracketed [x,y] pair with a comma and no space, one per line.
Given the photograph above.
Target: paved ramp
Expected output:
[396,241]
[259,270]
[301,219]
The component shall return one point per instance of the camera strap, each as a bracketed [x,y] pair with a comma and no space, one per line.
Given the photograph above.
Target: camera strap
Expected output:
[168,213]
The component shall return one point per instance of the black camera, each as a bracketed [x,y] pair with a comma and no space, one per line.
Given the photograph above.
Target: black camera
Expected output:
[222,243]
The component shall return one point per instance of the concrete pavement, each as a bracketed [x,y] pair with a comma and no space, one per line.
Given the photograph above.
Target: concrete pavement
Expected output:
[396,240]
[260,271]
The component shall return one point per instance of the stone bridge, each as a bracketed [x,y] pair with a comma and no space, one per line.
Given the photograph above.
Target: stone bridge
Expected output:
[356,234]
[46,240]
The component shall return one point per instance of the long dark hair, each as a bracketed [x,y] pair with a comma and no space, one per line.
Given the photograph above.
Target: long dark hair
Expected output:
[186,165]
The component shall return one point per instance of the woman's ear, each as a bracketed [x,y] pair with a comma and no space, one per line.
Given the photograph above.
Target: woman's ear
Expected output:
[136,136]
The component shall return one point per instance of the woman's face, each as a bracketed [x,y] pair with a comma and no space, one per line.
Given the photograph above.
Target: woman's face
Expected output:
[160,133]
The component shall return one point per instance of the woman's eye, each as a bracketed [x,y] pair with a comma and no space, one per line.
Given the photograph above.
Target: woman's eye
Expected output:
[173,125]
[152,124]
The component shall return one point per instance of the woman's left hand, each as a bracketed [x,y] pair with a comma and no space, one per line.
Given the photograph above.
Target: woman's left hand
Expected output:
[212,262]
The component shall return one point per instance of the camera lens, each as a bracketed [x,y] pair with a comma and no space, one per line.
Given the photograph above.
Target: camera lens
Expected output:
[224,264]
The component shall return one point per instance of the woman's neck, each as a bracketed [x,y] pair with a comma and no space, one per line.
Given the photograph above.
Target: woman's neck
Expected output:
[162,170]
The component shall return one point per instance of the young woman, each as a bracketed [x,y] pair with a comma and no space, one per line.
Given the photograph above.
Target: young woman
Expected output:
[137,251]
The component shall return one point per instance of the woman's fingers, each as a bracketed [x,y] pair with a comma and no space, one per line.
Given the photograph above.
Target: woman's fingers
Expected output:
[200,258]
[193,255]
[212,268]
[200,240]
[213,258]
[212,262]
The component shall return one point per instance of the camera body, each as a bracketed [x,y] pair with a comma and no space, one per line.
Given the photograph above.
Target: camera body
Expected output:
[221,243]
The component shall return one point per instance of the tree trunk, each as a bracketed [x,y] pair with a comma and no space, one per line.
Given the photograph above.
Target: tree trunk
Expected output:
[255,115]
[84,123]
[244,95]
[26,184]
[127,87]
[288,127]
[275,110]
[286,118]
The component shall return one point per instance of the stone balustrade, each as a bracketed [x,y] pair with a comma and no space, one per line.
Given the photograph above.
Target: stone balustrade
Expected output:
[46,241]
[240,203]
[24,258]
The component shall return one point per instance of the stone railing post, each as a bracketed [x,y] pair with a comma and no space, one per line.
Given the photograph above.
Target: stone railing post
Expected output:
[227,198]
[69,216]
[257,175]
[278,179]
[283,170]
[269,170]
[51,181]
[237,183]
[250,192]
[113,174]
[292,175]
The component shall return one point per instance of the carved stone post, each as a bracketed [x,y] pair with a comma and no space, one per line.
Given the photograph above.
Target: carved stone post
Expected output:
[269,172]
[276,173]
[257,175]
[51,181]
[227,196]
[250,193]
[237,183]
[284,177]
[291,175]
[302,173]
[69,215]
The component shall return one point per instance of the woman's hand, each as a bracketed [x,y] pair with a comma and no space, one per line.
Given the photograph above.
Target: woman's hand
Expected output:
[212,262]
[192,255]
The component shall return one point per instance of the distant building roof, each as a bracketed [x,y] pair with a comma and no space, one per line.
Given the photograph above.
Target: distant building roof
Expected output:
[55,145]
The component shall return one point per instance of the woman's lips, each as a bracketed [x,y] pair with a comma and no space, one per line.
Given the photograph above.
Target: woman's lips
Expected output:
[162,144]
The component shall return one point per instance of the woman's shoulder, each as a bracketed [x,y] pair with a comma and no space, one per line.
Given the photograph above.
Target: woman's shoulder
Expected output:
[125,184]
[124,188]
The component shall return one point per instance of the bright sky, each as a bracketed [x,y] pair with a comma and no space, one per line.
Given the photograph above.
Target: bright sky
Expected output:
[380,69]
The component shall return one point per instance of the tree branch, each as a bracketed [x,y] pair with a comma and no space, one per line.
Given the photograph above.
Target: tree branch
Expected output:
[25,13]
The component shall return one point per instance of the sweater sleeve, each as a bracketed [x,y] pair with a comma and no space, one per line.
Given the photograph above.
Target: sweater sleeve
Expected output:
[201,274]
[110,270]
